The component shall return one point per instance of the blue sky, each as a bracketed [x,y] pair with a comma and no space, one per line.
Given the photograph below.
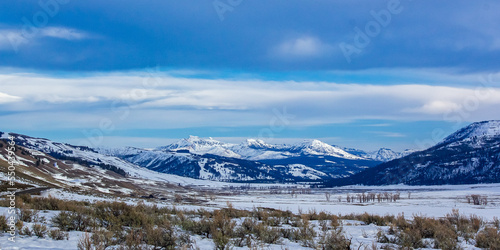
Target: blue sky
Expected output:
[363,74]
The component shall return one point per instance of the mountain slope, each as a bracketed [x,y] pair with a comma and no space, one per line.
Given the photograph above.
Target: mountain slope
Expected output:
[262,161]
[214,167]
[382,155]
[470,155]
[48,163]
[38,169]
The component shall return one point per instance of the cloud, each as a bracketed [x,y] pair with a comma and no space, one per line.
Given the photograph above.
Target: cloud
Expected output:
[8,39]
[5,98]
[305,46]
[283,37]
[387,134]
[437,107]
[139,100]
[377,125]
[64,33]
[14,39]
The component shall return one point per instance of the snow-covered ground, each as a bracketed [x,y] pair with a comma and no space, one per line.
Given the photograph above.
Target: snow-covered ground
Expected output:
[432,201]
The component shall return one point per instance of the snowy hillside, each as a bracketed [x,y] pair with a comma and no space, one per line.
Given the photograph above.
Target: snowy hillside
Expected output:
[67,165]
[470,155]
[479,132]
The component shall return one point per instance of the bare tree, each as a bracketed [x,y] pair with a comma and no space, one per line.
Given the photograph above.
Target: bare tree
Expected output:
[476,199]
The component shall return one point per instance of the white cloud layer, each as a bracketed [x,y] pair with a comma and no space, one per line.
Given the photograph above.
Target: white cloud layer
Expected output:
[162,101]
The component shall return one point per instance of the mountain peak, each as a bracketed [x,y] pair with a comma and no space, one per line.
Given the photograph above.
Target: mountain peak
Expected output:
[384,154]
[201,146]
[193,138]
[257,143]
[484,129]
[317,147]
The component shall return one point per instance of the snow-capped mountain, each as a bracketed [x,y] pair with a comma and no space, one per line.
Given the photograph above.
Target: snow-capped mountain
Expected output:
[208,167]
[316,147]
[253,149]
[383,154]
[199,146]
[476,133]
[386,154]
[252,160]
[209,159]
[470,155]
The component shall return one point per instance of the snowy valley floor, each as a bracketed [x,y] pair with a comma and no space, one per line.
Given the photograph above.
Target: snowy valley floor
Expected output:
[432,201]
[423,201]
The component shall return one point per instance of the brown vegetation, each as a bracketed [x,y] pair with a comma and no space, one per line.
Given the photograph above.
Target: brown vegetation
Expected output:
[126,226]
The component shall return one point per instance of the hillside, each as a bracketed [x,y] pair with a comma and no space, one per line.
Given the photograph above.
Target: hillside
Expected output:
[470,155]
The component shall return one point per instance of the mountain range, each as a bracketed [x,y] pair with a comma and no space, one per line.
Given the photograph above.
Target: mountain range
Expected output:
[250,161]
[470,155]
[208,159]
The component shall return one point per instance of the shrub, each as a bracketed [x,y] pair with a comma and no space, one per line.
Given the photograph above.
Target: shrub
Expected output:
[68,221]
[372,219]
[26,231]
[220,240]
[39,230]
[249,224]
[425,226]
[19,225]
[3,224]
[201,227]
[221,229]
[80,221]
[27,215]
[401,223]
[243,237]
[222,223]
[306,234]
[289,233]
[382,237]
[335,240]
[134,239]
[57,234]
[102,238]
[496,222]
[63,221]
[161,237]
[185,241]
[177,198]
[409,238]
[120,214]
[467,227]
[445,237]
[334,221]
[267,234]
[476,223]
[488,238]
[84,243]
